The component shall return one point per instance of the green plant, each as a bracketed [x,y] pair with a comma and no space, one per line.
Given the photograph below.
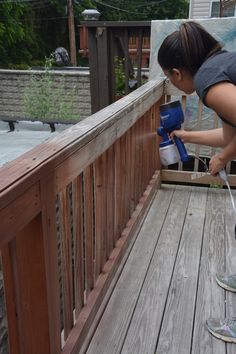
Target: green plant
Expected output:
[119,76]
[215,185]
[45,101]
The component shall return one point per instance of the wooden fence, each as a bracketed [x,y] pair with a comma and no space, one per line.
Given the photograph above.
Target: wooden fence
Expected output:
[107,42]
[69,209]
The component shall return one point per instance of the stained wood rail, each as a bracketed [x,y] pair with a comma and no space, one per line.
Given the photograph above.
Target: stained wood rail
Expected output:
[68,210]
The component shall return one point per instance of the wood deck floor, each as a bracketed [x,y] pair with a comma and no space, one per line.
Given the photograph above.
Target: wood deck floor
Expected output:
[167,288]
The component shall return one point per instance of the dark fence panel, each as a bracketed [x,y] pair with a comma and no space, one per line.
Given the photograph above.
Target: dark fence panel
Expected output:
[117,53]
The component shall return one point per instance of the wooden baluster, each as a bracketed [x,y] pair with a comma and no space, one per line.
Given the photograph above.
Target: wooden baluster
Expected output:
[89,229]
[127,177]
[110,195]
[118,182]
[215,125]
[100,210]
[77,195]
[138,162]
[142,157]
[123,181]
[66,255]
[157,138]
[48,200]
[129,174]
[132,169]
[199,124]
[146,148]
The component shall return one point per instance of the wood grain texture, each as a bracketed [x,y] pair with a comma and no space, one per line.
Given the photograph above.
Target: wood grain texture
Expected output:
[165,294]
[147,318]
[66,260]
[118,183]
[100,173]
[186,177]
[12,221]
[115,321]
[30,296]
[89,229]
[210,298]
[77,195]
[178,320]
[230,258]
[51,260]
[78,333]
[10,299]
[110,200]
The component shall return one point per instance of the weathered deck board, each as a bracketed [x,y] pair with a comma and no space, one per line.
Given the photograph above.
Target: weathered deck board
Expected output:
[179,312]
[230,261]
[167,289]
[210,298]
[110,334]
[147,318]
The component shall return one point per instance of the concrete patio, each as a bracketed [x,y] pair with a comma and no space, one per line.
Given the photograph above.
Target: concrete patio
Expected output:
[25,136]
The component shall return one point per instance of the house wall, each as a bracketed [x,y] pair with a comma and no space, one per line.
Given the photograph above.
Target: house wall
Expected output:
[199,8]
[14,82]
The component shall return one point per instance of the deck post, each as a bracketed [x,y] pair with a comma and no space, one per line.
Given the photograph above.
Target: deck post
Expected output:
[99,63]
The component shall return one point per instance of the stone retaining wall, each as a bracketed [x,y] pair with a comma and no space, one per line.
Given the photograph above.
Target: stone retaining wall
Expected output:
[14,82]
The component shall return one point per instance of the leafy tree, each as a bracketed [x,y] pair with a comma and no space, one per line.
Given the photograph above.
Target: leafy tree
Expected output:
[14,32]
[140,10]
[31,30]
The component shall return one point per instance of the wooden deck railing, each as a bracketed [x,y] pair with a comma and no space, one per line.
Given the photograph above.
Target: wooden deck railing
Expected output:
[68,211]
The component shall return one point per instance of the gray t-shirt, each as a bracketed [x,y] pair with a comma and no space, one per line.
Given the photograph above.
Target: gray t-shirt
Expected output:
[218,68]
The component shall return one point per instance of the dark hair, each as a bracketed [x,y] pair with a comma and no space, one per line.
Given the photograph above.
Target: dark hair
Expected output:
[187,48]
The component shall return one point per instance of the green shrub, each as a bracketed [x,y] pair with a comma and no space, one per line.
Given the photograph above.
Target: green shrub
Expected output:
[18,66]
[45,102]
[119,76]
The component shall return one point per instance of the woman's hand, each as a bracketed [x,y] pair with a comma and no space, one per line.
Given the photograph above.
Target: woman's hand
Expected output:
[180,133]
[216,164]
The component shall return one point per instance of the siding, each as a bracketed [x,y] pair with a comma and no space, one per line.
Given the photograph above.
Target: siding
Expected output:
[199,8]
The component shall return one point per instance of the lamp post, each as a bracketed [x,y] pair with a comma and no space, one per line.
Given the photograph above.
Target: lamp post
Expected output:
[91,15]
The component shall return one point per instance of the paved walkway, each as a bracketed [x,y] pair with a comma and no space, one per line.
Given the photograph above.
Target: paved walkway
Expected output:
[25,136]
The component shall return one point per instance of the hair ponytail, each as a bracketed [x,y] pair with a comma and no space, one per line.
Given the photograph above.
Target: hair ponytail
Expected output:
[187,48]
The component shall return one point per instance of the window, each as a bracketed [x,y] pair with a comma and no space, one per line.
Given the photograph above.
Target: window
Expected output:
[228,11]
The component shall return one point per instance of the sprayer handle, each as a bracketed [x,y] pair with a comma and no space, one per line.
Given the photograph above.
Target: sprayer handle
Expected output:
[182,150]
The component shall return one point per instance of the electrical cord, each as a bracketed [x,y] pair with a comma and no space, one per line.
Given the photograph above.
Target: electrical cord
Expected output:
[202,161]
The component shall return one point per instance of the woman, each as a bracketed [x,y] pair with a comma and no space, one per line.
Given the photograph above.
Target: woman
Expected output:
[193,60]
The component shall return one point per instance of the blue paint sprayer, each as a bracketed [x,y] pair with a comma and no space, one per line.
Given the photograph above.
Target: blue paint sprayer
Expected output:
[171,152]
[171,119]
